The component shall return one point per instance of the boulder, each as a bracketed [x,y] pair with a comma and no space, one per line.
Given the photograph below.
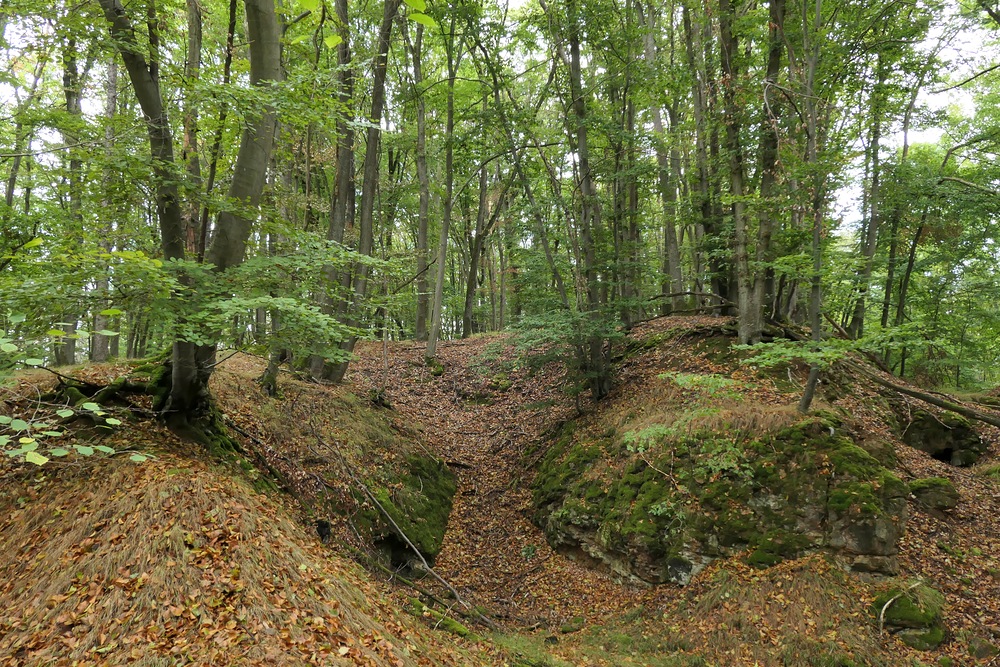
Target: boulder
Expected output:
[936,493]
[688,500]
[946,436]
[914,614]
[419,503]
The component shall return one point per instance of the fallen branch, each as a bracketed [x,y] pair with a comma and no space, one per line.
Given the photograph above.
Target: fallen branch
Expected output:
[949,405]
[889,603]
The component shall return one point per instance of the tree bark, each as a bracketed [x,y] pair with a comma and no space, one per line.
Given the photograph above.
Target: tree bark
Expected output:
[370,171]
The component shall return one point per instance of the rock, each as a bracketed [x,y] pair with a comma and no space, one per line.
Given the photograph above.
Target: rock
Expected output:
[922,640]
[573,625]
[947,437]
[981,649]
[419,502]
[805,488]
[914,614]
[936,493]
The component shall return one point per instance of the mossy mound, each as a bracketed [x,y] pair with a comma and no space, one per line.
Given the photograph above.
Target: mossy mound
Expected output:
[659,505]
[915,615]
[935,493]
[418,503]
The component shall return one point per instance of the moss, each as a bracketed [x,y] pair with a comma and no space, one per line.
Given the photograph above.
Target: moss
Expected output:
[776,547]
[706,493]
[419,504]
[923,640]
[918,486]
[917,607]
[439,620]
[991,472]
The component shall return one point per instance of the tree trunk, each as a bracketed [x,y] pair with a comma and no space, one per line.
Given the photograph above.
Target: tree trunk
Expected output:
[370,173]
[857,324]
[191,365]
[423,180]
[454,57]
[100,346]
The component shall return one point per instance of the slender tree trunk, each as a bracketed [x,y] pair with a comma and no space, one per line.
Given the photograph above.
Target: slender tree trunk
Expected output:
[818,195]
[598,365]
[65,348]
[857,324]
[453,49]
[768,157]
[370,173]
[423,180]
[100,347]
[668,163]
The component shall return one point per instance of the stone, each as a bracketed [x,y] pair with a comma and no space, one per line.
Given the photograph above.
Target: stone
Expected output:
[914,615]
[980,648]
[936,493]
[806,488]
[946,437]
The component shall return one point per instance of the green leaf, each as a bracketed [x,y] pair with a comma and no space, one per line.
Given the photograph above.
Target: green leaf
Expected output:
[309,5]
[17,318]
[111,312]
[55,332]
[113,422]
[104,449]
[29,446]
[25,441]
[33,362]
[36,458]
[53,434]
[10,348]
[138,458]
[19,425]
[14,452]
[332,40]
[65,412]
[33,243]
[58,451]
[423,19]
[84,449]
[4,439]
[93,407]
[4,419]
[416,5]
[106,332]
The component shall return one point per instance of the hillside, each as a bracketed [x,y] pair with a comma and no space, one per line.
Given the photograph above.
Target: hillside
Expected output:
[175,561]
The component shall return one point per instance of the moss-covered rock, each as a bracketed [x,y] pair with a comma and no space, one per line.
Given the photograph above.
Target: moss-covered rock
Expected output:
[980,648]
[419,503]
[662,510]
[936,493]
[946,436]
[914,614]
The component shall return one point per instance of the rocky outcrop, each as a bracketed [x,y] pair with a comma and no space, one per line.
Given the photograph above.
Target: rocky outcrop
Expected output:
[687,500]
[947,437]
[418,502]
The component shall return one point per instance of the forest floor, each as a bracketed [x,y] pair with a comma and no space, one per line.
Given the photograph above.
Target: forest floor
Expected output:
[174,561]
[497,557]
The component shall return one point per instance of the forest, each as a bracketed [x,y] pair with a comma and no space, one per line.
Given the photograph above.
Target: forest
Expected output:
[615,261]
[293,179]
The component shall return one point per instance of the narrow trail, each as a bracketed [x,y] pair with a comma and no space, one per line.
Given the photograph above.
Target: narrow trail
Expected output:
[493,554]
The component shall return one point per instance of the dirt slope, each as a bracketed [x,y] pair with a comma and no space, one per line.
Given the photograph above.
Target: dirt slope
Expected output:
[172,561]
